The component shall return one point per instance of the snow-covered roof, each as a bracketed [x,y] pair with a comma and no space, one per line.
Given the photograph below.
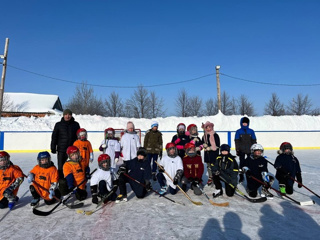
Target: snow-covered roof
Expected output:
[32,102]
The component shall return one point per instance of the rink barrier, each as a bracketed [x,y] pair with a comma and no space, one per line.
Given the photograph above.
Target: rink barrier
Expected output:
[35,141]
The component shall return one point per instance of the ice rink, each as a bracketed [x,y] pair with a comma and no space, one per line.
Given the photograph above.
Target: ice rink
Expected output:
[157,218]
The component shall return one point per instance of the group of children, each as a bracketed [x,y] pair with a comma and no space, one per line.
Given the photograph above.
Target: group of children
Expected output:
[181,165]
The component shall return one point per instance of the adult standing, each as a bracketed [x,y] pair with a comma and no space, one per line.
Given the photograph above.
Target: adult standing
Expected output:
[130,142]
[153,144]
[64,135]
[244,139]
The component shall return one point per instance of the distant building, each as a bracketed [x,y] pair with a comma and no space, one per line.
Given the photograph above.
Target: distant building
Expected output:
[30,104]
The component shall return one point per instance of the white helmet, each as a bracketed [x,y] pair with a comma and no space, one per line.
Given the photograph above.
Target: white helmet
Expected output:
[256,147]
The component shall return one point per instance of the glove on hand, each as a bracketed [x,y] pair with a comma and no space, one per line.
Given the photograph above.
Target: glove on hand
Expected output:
[95,199]
[30,178]
[51,193]
[265,177]
[104,146]
[217,173]
[245,169]
[122,169]
[177,141]
[116,160]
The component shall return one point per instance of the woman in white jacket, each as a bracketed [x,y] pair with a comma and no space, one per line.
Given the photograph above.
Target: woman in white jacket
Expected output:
[130,142]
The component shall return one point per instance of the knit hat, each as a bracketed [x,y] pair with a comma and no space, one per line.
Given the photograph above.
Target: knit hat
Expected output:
[130,125]
[142,151]
[245,120]
[208,124]
[225,147]
[67,111]
[154,124]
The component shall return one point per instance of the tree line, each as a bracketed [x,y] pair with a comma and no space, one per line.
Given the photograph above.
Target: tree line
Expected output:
[147,104]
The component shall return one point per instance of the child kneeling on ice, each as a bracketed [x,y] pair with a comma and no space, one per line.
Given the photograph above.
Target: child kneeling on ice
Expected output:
[102,183]
[139,169]
[225,166]
[44,179]
[172,164]
[257,166]
[193,169]
[288,168]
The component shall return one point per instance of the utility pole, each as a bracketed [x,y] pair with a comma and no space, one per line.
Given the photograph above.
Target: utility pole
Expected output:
[218,87]
[3,76]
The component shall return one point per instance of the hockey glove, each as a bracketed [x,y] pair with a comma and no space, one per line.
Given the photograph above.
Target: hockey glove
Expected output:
[217,173]
[91,157]
[177,177]
[265,177]
[95,198]
[122,169]
[8,193]
[30,178]
[51,193]
[177,141]
[160,155]
[299,179]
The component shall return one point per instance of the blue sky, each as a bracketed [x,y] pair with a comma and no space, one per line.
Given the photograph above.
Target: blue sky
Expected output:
[128,43]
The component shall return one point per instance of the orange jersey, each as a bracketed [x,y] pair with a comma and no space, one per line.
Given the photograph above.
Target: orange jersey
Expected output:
[44,177]
[85,149]
[7,177]
[78,172]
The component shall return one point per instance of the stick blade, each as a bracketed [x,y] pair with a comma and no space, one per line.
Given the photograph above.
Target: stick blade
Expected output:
[197,203]
[225,204]
[307,203]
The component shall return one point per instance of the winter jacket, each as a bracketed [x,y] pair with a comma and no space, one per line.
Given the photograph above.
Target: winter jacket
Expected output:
[256,166]
[193,167]
[244,138]
[130,143]
[139,170]
[287,163]
[197,142]
[228,168]
[210,156]
[153,141]
[180,141]
[64,135]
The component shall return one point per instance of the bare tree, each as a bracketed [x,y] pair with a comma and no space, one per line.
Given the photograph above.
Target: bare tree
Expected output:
[139,104]
[315,112]
[156,105]
[85,102]
[274,107]
[210,108]
[300,105]
[194,107]
[181,103]
[245,106]
[226,104]
[114,106]
[7,104]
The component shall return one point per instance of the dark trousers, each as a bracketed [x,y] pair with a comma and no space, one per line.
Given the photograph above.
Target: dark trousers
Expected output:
[123,180]
[152,157]
[103,191]
[62,158]
[36,195]
[217,182]
[163,182]
[286,181]
[4,203]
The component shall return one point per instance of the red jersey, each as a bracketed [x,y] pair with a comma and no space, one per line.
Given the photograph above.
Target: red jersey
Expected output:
[193,167]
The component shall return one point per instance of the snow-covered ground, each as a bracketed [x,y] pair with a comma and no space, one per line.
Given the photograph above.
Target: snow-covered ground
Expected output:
[157,218]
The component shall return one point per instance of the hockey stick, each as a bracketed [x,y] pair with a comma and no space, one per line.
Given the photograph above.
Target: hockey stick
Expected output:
[71,206]
[295,180]
[68,196]
[306,203]
[196,203]
[225,204]
[143,185]
[253,200]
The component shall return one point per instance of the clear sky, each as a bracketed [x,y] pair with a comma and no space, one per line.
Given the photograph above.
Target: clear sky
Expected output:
[127,43]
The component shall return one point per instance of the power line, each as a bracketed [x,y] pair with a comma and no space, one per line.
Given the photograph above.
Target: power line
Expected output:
[268,83]
[106,86]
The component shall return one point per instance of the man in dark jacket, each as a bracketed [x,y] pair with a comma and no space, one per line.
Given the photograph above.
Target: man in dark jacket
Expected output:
[64,135]
[140,170]
[244,139]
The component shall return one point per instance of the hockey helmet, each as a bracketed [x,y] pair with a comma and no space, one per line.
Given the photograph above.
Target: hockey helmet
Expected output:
[4,160]
[44,155]
[82,134]
[104,158]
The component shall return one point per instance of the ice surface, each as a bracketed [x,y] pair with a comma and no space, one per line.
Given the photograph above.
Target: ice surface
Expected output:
[157,218]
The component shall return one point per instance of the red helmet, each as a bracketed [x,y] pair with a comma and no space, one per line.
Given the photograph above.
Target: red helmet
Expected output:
[71,150]
[190,149]
[82,134]
[109,131]
[102,159]
[285,145]
[189,145]
[4,160]
[170,145]
[191,126]
[180,125]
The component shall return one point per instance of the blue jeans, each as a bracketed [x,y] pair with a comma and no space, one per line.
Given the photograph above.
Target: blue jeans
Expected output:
[154,157]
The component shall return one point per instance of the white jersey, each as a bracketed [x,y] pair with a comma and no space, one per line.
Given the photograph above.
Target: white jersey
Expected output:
[171,165]
[100,175]
[112,146]
[129,144]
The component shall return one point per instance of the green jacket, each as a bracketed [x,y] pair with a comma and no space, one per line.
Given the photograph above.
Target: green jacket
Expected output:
[153,142]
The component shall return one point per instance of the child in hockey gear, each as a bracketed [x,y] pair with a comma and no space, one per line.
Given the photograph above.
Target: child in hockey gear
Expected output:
[288,168]
[193,169]
[192,130]
[211,144]
[244,138]
[46,175]
[74,172]
[111,146]
[84,147]
[102,182]
[11,179]
[180,139]
[173,165]
[153,144]
[257,166]
[226,166]
[139,169]
[130,143]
